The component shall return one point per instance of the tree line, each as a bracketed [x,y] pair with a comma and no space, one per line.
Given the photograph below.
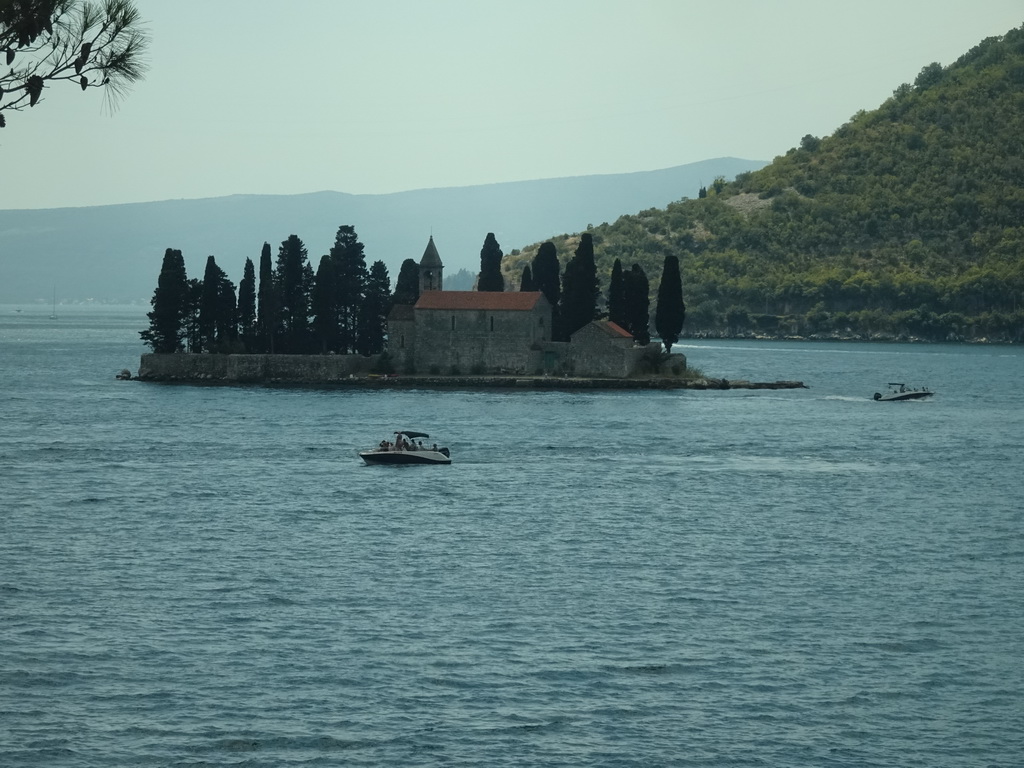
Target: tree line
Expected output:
[341,308]
[576,299]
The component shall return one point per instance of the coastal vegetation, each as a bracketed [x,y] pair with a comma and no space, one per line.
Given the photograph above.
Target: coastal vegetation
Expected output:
[343,307]
[908,221]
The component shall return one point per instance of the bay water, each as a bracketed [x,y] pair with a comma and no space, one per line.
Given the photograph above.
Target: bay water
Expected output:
[208,576]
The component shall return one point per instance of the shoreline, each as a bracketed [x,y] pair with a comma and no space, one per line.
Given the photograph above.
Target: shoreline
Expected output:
[878,338]
[354,371]
[483,382]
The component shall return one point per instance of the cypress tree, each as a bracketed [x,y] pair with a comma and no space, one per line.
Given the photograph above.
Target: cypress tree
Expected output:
[292,280]
[637,290]
[671,311]
[247,306]
[166,332]
[208,299]
[373,314]
[217,323]
[323,304]
[580,288]
[195,296]
[407,287]
[545,270]
[490,278]
[227,315]
[526,282]
[617,312]
[546,277]
[350,277]
[266,304]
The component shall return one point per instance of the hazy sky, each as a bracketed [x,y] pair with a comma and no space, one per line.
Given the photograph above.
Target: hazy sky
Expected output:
[391,95]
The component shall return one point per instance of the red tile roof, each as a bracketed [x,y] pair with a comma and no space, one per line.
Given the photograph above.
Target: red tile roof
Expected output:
[614,329]
[481,300]
[607,328]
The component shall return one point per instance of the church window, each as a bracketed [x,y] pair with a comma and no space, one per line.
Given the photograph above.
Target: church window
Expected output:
[492,324]
[453,322]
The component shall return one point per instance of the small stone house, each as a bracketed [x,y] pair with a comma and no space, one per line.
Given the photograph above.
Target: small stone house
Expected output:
[604,349]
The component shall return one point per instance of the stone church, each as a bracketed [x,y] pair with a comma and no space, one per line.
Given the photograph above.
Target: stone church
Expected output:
[484,332]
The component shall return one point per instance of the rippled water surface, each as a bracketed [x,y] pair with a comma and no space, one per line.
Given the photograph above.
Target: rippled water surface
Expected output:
[208,576]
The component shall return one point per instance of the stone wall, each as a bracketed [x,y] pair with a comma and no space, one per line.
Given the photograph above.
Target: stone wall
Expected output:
[597,353]
[401,342]
[254,368]
[600,359]
[605,361]
[469,341]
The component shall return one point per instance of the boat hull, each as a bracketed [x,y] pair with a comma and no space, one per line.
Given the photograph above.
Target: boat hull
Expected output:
[403,458]
[896,396]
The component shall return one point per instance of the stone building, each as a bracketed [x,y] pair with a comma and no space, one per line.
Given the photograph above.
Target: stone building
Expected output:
[482,332]
[463,332]
[431,269]
[603,349]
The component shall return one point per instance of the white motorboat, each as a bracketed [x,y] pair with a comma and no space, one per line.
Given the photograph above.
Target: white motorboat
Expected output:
[898,391]
[407,448]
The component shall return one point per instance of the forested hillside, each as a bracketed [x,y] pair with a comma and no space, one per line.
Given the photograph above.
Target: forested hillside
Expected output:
[908,221]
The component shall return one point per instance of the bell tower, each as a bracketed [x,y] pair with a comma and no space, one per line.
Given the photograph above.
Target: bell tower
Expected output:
[431,269]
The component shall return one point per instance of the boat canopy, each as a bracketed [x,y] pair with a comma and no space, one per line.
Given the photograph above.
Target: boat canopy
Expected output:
[412,435]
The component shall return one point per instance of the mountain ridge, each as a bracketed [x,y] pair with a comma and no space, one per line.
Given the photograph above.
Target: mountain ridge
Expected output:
[113,252]
[906,222]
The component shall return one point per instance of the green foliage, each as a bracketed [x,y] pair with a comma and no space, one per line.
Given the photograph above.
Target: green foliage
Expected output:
[917,206]
[547,277]
[617,297]
[170,302]
[580,288]
[373,312]
[293,280]
[671,311]
[349,276]
[407,286]
[217,322]
[266,304]
[324,306]
[490,266]
[526,283]
[637,290]
[87,44]
[247,306]
[206,316]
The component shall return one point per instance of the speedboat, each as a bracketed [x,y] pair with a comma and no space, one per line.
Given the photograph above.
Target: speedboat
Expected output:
[407,448]
[898,391]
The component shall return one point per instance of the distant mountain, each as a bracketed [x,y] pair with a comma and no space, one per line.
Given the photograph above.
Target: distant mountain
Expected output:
[908,221]
[114,252]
